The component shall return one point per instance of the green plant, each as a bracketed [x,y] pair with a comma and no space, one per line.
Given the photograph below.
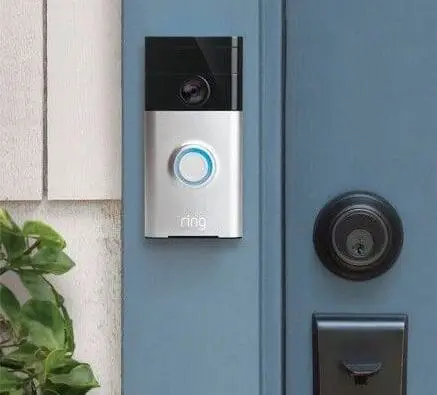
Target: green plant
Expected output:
[36,337]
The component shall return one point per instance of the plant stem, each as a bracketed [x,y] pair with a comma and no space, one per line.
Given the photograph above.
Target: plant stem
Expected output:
[12,345]
[9,346]
[32,247]
[30,375]
[28,251]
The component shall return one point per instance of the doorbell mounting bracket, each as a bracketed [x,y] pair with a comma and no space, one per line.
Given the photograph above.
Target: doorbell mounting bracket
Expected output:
[193,131]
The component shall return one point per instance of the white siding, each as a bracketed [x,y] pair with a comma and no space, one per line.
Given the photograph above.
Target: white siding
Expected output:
[21,99]
[84,99]
[84,155]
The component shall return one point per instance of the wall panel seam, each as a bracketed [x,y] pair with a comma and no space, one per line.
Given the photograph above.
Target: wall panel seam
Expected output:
[45,98]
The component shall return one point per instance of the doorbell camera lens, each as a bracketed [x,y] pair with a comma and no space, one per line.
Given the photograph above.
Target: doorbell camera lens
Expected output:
[195,91]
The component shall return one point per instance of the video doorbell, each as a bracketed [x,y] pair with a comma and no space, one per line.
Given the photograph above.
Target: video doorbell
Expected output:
[193,131]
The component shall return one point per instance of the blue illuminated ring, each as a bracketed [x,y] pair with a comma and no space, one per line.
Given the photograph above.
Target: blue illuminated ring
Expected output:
[205,154]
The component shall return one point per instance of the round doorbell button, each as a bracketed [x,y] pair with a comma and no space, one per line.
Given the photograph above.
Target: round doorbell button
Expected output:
[194,165]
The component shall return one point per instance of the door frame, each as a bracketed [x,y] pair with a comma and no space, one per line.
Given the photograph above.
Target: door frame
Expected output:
[272,192]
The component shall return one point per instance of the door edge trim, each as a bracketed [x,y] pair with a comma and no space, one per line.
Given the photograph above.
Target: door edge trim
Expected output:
[272,106]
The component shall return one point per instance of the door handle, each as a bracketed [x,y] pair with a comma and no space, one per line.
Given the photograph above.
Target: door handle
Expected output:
[362,371]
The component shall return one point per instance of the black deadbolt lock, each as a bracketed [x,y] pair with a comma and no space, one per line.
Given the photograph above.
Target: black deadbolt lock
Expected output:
[358,235]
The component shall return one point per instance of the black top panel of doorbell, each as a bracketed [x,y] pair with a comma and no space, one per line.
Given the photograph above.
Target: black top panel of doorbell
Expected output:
[193,73]
[209,55]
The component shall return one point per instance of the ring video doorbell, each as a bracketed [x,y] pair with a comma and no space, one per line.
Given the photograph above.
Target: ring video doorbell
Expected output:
[193,137]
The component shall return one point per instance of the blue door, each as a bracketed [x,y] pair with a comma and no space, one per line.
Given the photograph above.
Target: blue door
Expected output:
[361,114]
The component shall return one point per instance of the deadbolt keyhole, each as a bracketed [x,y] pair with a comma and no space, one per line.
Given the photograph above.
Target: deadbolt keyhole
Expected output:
[359,243]
[359,249]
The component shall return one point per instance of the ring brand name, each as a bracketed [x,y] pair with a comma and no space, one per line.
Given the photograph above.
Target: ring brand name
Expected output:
[193,222]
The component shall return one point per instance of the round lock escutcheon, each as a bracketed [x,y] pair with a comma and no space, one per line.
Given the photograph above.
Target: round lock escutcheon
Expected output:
[358,235]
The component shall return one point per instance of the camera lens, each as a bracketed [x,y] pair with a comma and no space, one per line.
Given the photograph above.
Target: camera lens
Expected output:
[195,91]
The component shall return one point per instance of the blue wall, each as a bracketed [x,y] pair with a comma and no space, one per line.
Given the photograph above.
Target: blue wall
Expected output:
[191,308]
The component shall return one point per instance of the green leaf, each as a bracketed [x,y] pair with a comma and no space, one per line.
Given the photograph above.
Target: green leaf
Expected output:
[43,232]
[6,221]
[65,366]
[18,392]
[58,363]
[74,391]
[55,360]
[9,381]
[11,236]
[81,377]
[52,260]
[38,286]
[9,304]
[50,392]
[41,289]
[21,261]
[25,354]
[45,324]
[51,389]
